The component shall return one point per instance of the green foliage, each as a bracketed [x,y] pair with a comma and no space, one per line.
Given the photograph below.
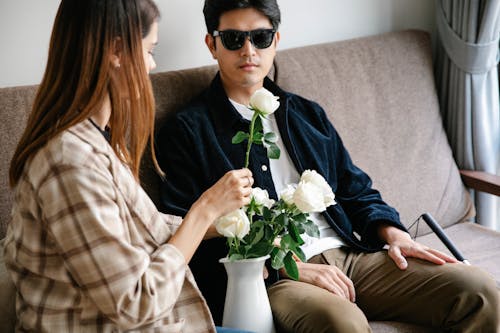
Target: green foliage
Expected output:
[275,231]
[256,135]
[239,137]
[273,152]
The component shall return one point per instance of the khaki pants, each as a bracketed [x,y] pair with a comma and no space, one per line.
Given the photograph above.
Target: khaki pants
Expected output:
[451,297]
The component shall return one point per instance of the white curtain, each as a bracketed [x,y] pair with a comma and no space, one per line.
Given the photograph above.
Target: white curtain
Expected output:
[467,83]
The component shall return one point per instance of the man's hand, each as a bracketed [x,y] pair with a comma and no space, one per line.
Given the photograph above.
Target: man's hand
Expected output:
[327,277]
[402,246]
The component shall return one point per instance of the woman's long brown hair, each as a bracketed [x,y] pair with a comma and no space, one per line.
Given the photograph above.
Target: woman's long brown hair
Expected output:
[80,75]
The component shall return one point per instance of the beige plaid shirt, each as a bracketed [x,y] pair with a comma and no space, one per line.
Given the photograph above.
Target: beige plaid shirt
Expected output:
[86,247]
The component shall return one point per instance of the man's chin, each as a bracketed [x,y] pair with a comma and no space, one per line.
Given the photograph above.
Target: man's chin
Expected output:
[251,79]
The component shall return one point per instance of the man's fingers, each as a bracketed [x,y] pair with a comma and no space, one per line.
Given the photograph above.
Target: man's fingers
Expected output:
[330,278]
[443,256]
[350,287]
[430,256]
[336,288]
[427,254]
[397,257]
[343,284]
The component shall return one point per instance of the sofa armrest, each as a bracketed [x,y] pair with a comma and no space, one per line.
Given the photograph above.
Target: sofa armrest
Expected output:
[481,181]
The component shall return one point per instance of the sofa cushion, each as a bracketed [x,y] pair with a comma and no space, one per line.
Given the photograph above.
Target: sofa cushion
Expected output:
[478,244]
[395,327]
[7,297]
[379,93]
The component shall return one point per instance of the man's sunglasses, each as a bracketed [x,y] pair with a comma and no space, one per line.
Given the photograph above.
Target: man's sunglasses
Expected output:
[235,39]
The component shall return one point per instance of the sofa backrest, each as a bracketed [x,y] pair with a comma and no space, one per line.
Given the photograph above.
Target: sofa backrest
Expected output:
[15,106]
[378,92]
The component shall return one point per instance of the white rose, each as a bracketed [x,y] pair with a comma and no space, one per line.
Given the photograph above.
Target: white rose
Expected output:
[309,198]
[234,224]
[287,194]
[261,197]
[264,101]
[311,176]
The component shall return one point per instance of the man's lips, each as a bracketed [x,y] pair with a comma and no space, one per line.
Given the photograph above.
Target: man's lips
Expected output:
[248,66]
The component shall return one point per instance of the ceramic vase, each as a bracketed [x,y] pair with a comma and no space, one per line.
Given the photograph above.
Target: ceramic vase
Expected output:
[247,305]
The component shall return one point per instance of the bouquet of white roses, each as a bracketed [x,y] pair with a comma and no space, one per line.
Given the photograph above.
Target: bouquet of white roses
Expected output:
[266,226]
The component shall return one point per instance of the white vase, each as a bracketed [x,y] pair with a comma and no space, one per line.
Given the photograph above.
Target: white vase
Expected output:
[247,305]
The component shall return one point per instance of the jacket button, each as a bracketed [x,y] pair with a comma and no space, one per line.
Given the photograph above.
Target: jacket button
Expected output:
[264,167]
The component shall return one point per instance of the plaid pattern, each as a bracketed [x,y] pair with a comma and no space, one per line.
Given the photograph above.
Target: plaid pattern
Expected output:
[87,251]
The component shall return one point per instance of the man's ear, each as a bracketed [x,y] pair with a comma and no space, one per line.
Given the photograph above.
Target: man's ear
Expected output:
[277,37]
[210,42]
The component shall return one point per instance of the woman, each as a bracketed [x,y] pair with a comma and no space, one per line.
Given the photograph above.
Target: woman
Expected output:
[86,247]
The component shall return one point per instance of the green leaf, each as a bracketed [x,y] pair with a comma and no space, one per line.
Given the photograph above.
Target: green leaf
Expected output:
[281,220]
[269,231]
[266,213]
[287,242]
[236,256]
[270,137]
[300,228]
[258,236]
[311,228]
[300,218]
[251,207]
[257,137]
[260,249]
[291,266]
[273,152]
[277,257]
[298,251]
[239,137]
[257,127]
[294,233]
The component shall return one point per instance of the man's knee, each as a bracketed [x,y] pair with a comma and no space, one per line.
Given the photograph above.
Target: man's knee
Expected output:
[299,307]
[476,285]
[348,318]
[477,296]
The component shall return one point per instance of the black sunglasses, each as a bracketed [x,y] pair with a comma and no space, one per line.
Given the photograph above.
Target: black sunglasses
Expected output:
[235,39]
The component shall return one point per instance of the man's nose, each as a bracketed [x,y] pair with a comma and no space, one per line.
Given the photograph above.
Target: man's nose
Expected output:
[248,48]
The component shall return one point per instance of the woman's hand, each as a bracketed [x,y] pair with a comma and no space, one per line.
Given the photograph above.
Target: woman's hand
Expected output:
[231,192]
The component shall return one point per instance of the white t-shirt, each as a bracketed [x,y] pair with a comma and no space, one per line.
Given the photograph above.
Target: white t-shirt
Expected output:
[283,173]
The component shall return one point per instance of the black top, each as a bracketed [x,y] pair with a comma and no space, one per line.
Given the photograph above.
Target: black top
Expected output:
[105,132]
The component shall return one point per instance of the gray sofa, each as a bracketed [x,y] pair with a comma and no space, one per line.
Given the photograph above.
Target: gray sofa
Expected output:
[379,93]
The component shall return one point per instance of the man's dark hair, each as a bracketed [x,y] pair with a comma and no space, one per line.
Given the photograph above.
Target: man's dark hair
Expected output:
[213,10]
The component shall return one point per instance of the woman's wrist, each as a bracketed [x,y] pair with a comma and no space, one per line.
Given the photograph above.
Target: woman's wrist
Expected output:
[204,210]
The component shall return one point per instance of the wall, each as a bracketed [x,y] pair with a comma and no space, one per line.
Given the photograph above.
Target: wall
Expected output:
[25,27]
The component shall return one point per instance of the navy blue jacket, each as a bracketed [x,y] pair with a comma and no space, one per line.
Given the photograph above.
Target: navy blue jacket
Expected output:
[195,150]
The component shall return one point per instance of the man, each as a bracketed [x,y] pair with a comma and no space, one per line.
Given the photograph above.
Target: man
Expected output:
[347,279]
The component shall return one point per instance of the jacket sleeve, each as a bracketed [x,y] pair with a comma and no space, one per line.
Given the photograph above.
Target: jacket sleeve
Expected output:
[362,204]
[177,155]
[129,284]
